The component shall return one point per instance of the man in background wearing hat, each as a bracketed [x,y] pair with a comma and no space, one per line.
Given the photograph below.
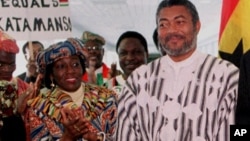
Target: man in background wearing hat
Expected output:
[11,123]
[97,72]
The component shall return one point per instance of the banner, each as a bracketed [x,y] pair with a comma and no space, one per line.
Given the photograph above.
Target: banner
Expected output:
[234,37]
[35,19]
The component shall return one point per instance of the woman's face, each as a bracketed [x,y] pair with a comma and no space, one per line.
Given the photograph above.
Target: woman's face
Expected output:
[67,73]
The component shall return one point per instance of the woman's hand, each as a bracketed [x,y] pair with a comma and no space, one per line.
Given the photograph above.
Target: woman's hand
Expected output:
[76,125]
[85,126]
[72,123]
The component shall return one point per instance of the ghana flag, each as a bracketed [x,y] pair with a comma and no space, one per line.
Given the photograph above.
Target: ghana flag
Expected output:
[234,36]
[64,2]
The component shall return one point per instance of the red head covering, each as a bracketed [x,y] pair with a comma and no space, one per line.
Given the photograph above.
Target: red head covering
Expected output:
[7,43]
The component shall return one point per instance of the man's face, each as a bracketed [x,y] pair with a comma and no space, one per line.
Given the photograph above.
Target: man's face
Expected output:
[95,55]
[31,58]
[7,65]
[176,32]
[131,55]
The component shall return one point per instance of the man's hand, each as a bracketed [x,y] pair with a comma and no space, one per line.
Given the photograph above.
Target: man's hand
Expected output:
[31,92]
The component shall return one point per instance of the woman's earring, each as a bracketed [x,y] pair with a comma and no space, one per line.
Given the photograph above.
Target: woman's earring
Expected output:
[52,84]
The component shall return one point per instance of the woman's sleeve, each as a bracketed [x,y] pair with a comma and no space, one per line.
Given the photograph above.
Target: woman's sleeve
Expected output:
[108,117]
[40,127]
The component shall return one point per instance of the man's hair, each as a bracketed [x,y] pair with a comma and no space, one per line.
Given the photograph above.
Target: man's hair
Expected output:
[186,3]
[132,34]
[26,45]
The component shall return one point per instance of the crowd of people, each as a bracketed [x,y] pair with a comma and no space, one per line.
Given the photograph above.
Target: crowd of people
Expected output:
[68,93]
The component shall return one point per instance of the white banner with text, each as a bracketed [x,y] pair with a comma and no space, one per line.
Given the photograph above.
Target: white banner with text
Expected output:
[35,19]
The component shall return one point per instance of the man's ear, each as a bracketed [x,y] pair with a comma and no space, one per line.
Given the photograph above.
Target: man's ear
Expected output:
[103,51]
[26,57]
[198,26]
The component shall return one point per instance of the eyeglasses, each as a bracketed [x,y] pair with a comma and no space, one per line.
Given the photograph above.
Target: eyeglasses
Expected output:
[7,66]
[93,48]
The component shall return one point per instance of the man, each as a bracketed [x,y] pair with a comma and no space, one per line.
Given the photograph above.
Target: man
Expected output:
[30,55]
[132,50]
[11,124]
[185,95]
[97,72]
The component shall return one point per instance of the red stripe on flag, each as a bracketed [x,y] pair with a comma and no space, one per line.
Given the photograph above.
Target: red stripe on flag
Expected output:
[63,0]
[228,7]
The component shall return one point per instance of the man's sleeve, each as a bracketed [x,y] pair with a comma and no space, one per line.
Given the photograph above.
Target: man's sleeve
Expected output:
[127,123]
[227,103]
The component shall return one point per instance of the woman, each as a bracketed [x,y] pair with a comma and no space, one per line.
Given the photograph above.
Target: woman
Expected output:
[70,110]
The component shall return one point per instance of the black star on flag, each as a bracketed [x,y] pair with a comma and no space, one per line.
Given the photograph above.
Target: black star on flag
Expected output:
[235,56]
[234,38]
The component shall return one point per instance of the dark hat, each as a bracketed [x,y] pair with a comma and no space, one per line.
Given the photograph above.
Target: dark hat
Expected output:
[72,46]
[89,36]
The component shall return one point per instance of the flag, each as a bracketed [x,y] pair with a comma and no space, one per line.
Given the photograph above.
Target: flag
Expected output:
[234,35]
[64,3]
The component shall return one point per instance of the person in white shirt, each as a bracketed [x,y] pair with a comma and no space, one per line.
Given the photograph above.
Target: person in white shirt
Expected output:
[185,95]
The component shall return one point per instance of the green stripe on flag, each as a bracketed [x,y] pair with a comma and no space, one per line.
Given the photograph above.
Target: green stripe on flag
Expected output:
[64,4]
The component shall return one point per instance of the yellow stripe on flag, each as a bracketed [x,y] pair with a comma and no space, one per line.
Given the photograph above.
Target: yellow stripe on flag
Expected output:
[237,28]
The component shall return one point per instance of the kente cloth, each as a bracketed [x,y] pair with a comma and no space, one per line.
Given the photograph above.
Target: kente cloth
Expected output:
[190,100]
[102,75]
[11,124]
[7,43]
[43,116]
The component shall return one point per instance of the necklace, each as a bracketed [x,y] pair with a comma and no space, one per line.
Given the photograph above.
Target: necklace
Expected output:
[8,99]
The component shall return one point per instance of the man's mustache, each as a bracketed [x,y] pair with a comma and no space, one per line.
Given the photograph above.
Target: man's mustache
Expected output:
[178,36]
